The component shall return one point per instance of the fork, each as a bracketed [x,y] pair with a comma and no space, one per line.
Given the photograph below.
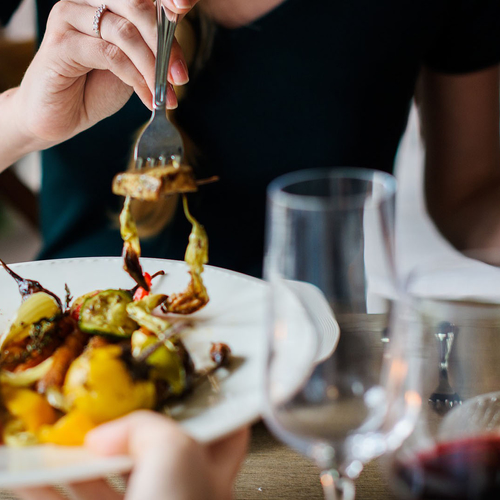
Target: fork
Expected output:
[444,398]
[160,142]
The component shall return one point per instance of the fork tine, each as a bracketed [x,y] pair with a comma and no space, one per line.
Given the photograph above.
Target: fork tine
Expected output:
[139,162]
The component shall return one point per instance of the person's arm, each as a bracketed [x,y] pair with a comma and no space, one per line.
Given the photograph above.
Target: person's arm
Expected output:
[460,126]
[14,143]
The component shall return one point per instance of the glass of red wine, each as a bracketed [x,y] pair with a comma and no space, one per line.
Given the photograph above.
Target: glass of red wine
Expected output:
[454,451]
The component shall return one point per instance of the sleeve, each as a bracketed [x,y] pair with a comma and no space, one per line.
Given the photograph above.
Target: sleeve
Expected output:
[7,8]
[470,38]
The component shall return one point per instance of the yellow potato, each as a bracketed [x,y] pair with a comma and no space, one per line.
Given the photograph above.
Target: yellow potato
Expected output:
[70,430]
[31,408]
[99,384]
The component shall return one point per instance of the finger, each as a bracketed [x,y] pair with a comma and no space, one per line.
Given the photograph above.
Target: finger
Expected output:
[178,71]
[113,29]
[133,434]
[229,453]
[42,493]
[98,489]
[141,13]
[95,53]
[181,7]
[128,30]
[171,97]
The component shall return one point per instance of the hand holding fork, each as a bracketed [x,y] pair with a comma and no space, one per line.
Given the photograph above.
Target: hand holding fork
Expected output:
[160,142]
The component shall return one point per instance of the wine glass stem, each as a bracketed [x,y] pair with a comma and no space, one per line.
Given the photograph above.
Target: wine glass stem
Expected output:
[336,487]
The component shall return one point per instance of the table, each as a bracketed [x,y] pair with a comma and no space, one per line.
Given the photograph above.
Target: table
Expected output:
[272,471]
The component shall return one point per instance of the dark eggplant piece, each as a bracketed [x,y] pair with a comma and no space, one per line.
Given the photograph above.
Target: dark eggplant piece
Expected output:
[28,287]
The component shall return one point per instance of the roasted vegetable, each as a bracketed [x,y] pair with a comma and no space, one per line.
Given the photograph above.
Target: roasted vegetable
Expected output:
[220,354]
[28,407]
[141,312]
[76,306]
[29,287]
[27,377]
[150,184]
[195,296]
[61,360]
[100,384]
[44,338]
[37,307]
[69,430]
[166,360]
[131,246]
[106,314]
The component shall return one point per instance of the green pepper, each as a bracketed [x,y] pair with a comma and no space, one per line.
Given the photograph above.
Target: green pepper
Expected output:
[141,311]
[166,361]
[106,314]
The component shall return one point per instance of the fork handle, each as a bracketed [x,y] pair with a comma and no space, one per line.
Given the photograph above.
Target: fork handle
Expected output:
[166,30]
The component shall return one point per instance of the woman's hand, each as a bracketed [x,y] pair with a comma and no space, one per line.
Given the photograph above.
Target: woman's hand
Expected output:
[78,77]
[168,463]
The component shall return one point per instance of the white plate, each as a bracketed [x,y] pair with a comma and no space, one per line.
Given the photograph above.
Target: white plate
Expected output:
[234,315]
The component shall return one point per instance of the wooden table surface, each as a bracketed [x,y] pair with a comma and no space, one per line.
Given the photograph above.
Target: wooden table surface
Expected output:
[273,471]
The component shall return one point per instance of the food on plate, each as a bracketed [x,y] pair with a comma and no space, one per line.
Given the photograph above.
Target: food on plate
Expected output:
[66,368]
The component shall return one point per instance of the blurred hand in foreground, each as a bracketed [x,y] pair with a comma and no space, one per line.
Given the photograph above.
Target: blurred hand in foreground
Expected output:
[168,463]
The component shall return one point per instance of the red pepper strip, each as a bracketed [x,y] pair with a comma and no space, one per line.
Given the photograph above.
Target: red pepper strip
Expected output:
[140,293]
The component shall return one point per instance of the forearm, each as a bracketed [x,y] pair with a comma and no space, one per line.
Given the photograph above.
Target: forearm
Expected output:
[14,142]
[460,126]
[474,224]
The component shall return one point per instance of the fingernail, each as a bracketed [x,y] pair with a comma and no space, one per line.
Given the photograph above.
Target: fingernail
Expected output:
[182,4]
[179,72]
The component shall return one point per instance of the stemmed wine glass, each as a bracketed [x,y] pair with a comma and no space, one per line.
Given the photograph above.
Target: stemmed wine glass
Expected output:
[454,451]
[336,381]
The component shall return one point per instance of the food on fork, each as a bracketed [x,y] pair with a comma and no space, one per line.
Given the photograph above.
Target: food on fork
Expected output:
[195,296]
[150,184]
[153,183]
[131,246]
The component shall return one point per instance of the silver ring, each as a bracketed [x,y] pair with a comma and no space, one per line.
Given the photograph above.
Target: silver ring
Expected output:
[97,19]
